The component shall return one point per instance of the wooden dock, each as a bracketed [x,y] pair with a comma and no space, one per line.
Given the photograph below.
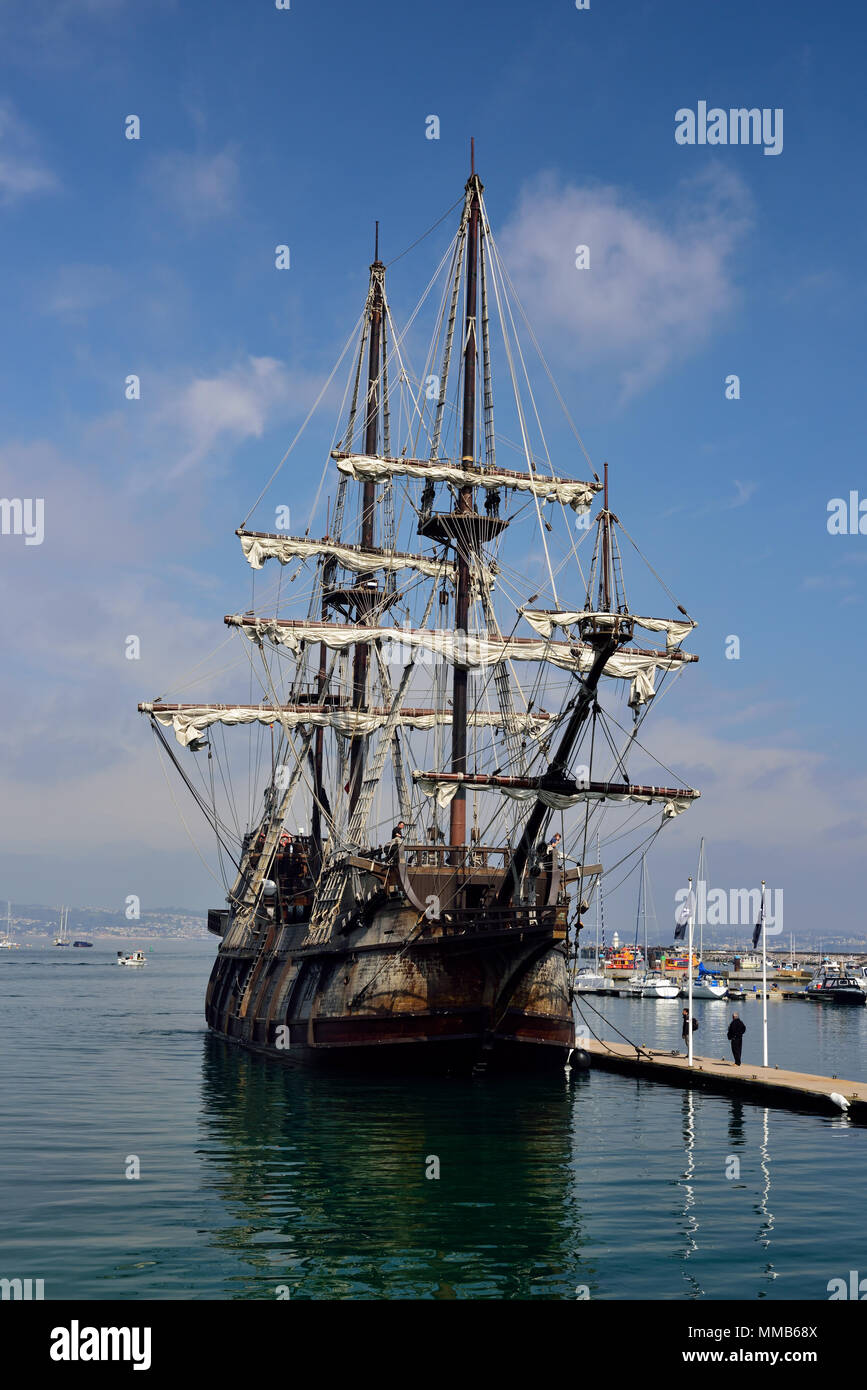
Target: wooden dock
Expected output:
[772,1085]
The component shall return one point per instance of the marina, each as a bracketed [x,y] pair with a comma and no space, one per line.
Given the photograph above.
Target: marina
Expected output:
[773,1085]
[262,1176]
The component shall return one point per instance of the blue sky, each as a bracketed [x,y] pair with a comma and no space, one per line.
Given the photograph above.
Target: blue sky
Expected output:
[261,127]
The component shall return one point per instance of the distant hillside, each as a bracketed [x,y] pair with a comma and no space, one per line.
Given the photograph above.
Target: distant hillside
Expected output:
[35,920]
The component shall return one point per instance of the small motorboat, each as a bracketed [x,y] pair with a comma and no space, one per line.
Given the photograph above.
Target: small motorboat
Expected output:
[652,985]
[733,992]
[708,985]
[587,980]
[134,958]
[832,985]
[82,943]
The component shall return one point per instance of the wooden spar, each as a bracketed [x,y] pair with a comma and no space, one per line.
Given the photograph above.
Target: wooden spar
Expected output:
[331,703]
[481,779]
[458,808]
[361,657]
[249,620]
[607,645]
[372,553]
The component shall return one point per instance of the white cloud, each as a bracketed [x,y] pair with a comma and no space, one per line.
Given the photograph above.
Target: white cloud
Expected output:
[236,404]
[659,279]
[197,186]
[786,799]
[77,289]
[22,171]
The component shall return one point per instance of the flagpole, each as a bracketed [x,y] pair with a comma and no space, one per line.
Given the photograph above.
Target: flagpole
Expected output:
[764,984]
[689,973]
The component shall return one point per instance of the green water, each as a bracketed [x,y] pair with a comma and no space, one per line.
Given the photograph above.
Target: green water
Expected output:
[256,1179]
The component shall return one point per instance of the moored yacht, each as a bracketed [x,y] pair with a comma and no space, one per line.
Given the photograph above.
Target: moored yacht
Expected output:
[836,986]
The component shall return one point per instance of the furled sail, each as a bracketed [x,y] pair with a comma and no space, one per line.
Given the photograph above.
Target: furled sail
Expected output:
[544,621]
[260,546]
[444,786]
[571,491]
[189,722]
[469,651]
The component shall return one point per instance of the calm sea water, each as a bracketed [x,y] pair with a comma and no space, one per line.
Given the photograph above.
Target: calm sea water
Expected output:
[255,1176]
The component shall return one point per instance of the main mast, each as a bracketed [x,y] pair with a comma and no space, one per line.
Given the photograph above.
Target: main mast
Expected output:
[366,597]
[464,539]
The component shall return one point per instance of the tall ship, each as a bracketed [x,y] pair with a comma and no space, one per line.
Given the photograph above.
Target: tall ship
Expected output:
[448,698]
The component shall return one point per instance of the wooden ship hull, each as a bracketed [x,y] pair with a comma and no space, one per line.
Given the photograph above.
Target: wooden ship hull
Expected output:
[401,687]
[398,985]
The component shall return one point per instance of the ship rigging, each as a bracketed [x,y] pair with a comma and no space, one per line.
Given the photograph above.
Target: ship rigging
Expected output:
[422,683]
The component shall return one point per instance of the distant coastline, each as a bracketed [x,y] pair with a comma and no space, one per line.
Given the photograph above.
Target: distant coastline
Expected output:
[32,923]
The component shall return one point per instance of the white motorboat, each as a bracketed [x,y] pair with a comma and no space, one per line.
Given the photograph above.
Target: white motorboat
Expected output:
[590,980]
[707,986]
[134,958]
[654,985]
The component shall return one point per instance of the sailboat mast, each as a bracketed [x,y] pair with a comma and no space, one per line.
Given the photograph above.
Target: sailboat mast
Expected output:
[368,506]
[644,902]
[464,506]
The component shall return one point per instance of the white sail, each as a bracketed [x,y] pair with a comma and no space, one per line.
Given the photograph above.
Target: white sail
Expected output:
[469,651]
[570,491]
[259,548]
[189,723]
[445,789]
[675,629]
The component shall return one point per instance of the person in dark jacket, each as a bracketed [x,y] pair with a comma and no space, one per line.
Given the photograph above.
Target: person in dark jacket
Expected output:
[735,1035]
[396,840]
[684,1032]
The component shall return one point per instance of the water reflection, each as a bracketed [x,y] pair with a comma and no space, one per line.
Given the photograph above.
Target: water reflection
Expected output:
[324,1187]
[767,1226]
[690,1224]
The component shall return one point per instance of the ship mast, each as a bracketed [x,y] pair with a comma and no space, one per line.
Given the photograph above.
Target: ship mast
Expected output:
[605,637]
[366,598]
[464,507]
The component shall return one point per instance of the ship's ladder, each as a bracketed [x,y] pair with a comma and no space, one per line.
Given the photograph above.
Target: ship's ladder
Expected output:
[243,1003]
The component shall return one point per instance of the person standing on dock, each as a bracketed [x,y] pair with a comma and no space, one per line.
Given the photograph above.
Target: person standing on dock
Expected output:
[735,1035]
[684,1032]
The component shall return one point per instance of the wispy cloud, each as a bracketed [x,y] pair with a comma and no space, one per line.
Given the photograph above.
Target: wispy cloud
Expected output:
[786,799]
[744,492]
[78,289]
[23,172]
[196,186]
[238,403]
[659,277]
